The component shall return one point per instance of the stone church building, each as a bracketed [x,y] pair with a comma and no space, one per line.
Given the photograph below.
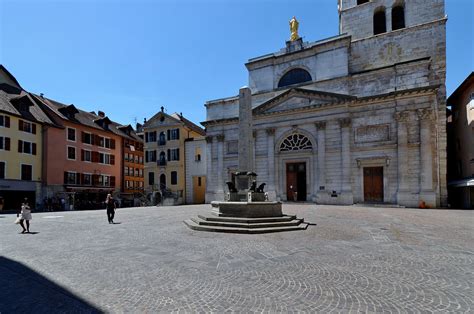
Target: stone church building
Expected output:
[355,118]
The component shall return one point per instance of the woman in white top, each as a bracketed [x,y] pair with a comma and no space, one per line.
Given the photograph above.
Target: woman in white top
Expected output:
[25,214]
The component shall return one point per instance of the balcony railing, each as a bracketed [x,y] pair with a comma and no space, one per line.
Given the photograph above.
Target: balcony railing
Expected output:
[161,162]
[161,143]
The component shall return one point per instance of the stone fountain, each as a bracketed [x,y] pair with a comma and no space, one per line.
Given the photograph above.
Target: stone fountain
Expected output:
[246,208]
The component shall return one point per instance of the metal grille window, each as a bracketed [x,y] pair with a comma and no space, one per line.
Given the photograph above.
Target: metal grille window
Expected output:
[296,142]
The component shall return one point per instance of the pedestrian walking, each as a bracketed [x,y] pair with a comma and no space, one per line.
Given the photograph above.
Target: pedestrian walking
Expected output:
[25,216]
[110,205]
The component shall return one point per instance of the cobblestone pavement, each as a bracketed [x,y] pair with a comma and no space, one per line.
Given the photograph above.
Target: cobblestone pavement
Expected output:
[355,259]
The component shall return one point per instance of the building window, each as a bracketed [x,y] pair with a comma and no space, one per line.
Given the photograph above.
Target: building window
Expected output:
[26,147]
[150,136]
[197,154]
[125,170]
[137,172]
[136,159]
[151,178]
[173,154]
[71,153]
[4,121]
[71,134]
[362,1]
[173,134]
[162,139]
[87,138]
[27,172]
[87,155]
[199,181]
[150,156]
[471,102]
[295,142]
[140,160]
[162,160]
[174,178]
[379,21]
[2,169]
[87,179]
[4,143]
[71,178]
[398,17]
[26,126]
[294,76]
[106,159]
[141,173]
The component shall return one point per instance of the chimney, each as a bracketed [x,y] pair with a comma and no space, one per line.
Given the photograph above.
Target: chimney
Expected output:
[101,114]
[144,120]
[162,109]
[181,114]
[41,95]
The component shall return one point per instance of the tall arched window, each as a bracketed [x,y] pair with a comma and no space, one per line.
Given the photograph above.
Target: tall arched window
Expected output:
[379,22]
[162,181]
[294,76]
[295,142]
[398,17]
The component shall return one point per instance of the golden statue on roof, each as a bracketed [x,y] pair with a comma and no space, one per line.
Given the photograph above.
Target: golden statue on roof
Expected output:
[294,29]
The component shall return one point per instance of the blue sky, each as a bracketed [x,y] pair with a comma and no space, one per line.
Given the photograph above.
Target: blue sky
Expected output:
[128,58]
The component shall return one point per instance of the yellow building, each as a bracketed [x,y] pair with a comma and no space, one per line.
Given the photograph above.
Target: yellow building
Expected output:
[21,131]
[165,158]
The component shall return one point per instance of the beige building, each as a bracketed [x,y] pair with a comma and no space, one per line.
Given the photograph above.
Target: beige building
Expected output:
[461,145]
[165,165]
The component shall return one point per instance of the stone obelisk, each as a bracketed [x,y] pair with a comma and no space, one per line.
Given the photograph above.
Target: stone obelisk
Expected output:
[245,130]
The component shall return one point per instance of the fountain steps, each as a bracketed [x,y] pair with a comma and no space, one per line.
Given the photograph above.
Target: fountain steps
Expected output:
[246,225]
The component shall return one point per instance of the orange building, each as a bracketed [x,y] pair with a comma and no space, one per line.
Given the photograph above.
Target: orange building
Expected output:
[133,166]
[82,158]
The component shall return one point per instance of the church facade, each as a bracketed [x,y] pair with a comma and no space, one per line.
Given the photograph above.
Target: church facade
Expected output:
[355,118]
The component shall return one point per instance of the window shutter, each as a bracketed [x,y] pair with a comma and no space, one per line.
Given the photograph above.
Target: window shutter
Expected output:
[96,139]
[82,155]
[95,179]
[20,125]
[177,134]
[146,137]
[177,153]
[78,178]
[112,181]
[146,156]
[95,156]
[169,155]
[33,128]
[20,146]
[7,121]
[83,136]
[112,143]
[168,134]
[112,159]
[7,143]
[65,177]
[33,148]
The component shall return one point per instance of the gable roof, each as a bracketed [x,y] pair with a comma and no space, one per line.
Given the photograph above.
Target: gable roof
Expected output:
[179,118]
[10,76]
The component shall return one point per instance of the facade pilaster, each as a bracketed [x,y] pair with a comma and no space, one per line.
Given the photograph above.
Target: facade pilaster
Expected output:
[346,186]
[427,194]
[271,188]
[220,165]
[402,118]
[320,162]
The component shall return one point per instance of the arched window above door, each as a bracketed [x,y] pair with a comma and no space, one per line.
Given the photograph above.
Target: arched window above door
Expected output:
[295,76]
[296,142]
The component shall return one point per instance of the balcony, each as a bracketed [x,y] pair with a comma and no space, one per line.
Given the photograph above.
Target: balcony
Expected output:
[161,142]
[161,162]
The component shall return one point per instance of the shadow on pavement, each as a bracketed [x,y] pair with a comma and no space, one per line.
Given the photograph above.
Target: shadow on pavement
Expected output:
[26,291]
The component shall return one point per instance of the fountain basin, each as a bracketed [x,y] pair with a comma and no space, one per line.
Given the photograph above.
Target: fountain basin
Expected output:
[247,209]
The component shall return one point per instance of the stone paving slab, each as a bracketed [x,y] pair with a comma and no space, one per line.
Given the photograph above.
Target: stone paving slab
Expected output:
[355,259]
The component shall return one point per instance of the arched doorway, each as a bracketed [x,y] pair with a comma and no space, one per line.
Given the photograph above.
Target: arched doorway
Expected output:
[162,181]
[295,151]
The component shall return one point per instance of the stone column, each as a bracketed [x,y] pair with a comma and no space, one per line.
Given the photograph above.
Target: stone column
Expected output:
[220,165]
[402,118]
[271,188]
[427,193]
[209,192]
[346,187]
[245,130]
[321,162]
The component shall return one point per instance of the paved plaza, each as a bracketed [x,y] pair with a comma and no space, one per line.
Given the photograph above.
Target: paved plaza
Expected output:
[355,259]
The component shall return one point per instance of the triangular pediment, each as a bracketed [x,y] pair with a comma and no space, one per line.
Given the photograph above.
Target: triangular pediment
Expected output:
[296,98]
[162,119]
